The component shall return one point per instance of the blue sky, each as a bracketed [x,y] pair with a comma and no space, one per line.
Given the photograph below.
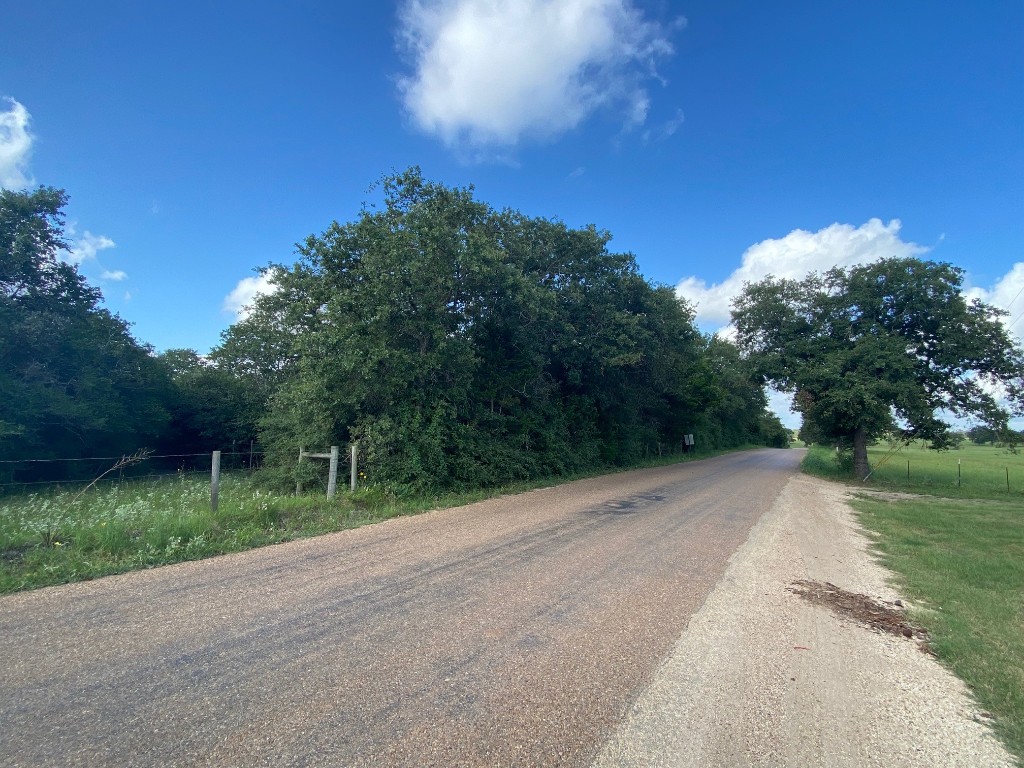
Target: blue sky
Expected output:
[717,141]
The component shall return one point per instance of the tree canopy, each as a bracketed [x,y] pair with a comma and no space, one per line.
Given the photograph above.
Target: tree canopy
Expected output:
[72,378]
[890,346]
[461,345]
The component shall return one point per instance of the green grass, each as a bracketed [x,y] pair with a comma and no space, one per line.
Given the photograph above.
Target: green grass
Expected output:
[983,470]
[958,553]
[962,561]
[971,471]
[51,537]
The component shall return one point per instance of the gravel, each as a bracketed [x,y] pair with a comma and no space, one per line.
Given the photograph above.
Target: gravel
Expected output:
[761,677]
[517,631]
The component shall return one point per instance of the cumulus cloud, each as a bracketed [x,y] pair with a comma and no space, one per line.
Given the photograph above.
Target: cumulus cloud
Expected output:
[793,256]
[239,301]
[15,146]
[116,275]
[488,73]
[1007,293]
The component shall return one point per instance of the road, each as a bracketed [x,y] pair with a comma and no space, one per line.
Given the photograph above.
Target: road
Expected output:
[516,631]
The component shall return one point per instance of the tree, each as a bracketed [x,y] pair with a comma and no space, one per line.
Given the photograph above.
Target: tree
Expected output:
[464,346]
[73,381]
[210,407]
[887,346]
[981,434]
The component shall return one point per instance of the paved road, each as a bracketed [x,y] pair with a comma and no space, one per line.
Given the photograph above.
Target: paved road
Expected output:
[516,631]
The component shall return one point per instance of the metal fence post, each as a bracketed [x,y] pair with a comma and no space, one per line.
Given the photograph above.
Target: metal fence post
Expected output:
[215,482]
[332,476]
[353,471]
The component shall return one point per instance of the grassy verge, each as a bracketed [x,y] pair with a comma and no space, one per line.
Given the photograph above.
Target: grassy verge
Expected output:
[52,538]
[961,560]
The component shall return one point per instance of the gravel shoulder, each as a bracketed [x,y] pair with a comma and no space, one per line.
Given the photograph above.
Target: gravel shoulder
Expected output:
[761,677]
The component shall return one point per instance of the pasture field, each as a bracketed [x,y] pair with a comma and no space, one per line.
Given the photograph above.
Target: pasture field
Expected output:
[958,555]
[970,471]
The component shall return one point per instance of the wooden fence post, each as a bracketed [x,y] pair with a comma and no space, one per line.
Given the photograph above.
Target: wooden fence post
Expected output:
[215,482]
[298,483]
[353,473]
[332,476]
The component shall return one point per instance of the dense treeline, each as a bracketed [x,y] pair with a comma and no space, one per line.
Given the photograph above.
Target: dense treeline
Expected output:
[74,382]
[72,378]
[458,344]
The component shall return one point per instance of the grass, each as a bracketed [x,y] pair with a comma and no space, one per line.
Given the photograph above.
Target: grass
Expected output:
[962,561]
[52,537]
[958,554]
[968,472]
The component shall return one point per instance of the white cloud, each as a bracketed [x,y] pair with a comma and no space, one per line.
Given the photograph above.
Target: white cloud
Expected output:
[86,247]
[1008,294]
[116,275]
[488,73]
[239,301]
[793,256]
[15,146]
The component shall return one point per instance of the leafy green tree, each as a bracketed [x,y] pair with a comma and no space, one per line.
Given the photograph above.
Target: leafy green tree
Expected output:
[981,434]
[73,381]
[881,347]
[465,346]
[210,408]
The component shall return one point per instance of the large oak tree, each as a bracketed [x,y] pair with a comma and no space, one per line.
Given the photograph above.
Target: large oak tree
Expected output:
[888,346]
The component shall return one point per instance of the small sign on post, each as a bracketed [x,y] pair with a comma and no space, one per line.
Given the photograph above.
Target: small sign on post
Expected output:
[688,443]
[215,482]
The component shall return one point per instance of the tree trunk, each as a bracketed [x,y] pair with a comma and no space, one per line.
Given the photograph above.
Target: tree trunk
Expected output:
[860,453]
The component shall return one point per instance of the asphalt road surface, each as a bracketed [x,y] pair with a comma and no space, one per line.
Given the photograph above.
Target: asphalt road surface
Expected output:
[516,631]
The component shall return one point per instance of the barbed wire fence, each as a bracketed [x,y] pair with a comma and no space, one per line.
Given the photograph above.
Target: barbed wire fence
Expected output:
[26,474]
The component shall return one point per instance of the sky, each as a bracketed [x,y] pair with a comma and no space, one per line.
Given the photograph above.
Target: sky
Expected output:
[718,141]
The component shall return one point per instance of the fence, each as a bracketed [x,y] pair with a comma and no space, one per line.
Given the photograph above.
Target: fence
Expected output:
[24,474]
[332,475]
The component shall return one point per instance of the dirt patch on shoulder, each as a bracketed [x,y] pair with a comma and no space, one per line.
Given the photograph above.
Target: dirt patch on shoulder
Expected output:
[876,614]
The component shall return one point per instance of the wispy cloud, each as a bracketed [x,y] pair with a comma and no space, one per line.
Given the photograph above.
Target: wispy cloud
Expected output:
[115,275]
[15,146]
[665,129]
[794,256]
[239,301]
[488,74]
[86,247]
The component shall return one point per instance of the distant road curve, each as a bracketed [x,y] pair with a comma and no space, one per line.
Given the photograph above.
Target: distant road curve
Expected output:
[515,631]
